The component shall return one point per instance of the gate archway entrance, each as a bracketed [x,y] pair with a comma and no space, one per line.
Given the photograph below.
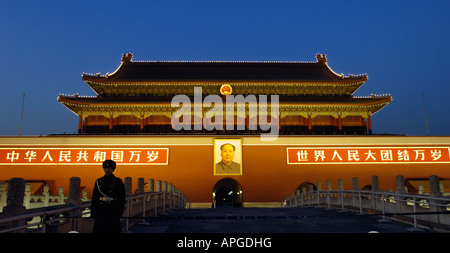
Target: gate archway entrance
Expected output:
[306,186]
[227,192]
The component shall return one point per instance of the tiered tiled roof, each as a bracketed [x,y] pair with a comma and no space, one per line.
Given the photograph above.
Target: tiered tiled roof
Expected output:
[147,87]
[151,75]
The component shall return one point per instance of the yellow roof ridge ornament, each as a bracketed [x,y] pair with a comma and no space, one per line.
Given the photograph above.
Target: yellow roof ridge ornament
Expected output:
[321,58]
[127,57]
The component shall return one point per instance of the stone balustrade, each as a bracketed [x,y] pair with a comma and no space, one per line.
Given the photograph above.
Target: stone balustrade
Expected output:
[40,200]
[429,210]
[71,213]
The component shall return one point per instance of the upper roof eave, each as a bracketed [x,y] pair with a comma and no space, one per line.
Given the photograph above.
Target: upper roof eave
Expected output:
[107,81]
[221,71]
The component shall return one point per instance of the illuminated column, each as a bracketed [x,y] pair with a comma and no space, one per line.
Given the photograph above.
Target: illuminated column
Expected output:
[80,123]
[86,122]
[142,123]
[340,124]
[110,123]
[369,124]
[309,124]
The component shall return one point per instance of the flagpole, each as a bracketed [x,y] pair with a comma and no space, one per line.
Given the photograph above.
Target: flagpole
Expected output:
[425,111]
[21,117]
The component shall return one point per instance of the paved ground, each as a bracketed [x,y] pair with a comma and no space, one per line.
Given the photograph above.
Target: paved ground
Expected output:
[268,220]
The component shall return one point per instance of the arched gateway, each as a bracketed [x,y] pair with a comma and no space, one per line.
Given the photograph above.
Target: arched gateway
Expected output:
[227,192]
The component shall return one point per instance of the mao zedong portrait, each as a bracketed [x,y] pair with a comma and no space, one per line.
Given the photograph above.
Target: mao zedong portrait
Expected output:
[227,165]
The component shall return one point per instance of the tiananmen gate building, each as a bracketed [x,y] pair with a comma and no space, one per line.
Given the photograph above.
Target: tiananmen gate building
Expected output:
[200,126]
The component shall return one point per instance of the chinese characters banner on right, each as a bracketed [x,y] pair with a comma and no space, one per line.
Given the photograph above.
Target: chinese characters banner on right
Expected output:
[318,155]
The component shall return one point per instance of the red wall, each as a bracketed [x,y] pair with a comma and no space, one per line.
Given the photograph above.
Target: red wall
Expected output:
[266,175]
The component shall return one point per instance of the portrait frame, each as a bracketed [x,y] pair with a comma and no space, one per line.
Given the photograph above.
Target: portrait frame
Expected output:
[219,170]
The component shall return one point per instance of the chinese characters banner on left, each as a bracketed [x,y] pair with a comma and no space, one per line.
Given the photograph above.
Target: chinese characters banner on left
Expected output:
[330,155]
[70,156]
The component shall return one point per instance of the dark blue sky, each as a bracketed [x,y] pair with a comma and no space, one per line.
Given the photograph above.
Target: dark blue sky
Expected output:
[401,45]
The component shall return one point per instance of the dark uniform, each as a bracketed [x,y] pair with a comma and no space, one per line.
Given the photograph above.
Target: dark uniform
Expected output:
[223,168]
[108,203]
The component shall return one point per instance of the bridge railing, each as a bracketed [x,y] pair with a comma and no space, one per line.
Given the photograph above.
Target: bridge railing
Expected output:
[75,214]
[66,218]
[139,207]
[418,209]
